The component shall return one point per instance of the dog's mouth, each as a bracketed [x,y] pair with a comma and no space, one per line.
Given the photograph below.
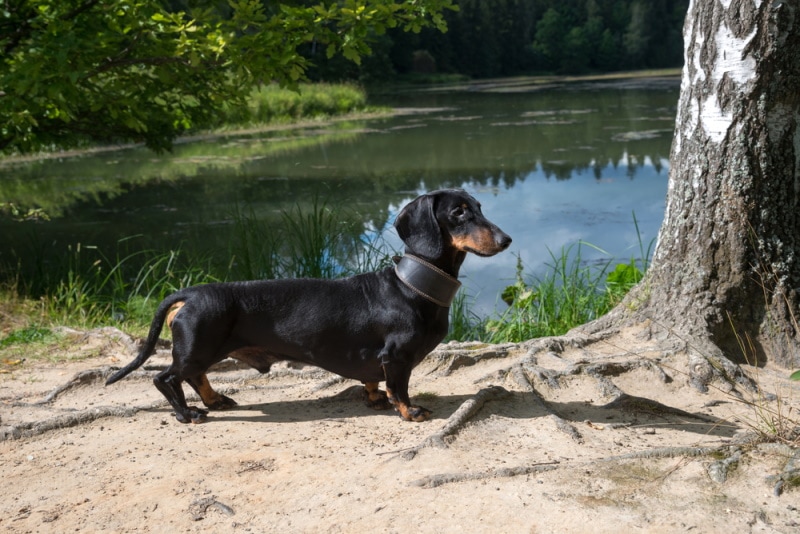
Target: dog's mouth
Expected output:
[489,245]
[481,253]
[484,253]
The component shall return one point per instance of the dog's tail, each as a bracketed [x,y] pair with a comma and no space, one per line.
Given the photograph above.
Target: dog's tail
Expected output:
[152,337]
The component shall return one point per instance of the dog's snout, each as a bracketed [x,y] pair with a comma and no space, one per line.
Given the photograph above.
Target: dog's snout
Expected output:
[502,239]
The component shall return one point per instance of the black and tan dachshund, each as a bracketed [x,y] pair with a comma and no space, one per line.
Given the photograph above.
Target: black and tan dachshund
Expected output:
[370,327]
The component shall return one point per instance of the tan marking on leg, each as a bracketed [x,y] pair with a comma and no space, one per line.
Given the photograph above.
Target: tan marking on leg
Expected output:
[407,412]
[376,399]
[207,393]
[173,311]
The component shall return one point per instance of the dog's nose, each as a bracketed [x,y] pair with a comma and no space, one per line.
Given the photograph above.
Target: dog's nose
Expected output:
[503,240]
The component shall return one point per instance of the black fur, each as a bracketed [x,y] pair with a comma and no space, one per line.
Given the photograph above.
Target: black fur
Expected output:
[370,327]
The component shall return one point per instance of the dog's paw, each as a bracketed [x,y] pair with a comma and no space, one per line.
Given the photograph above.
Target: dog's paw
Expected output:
[192,415]
[222,403]
[419,414]
[377,400]
[414,413]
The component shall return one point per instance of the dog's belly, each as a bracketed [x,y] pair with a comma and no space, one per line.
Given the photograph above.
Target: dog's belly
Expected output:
[364,365]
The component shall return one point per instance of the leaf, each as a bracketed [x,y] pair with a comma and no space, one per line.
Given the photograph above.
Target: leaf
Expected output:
[795,376]
[625,274]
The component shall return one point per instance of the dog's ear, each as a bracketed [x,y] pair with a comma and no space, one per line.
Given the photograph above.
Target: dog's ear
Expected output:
[417,226]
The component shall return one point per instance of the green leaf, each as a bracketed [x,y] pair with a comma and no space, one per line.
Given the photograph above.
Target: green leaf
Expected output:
[795,376]
[117,72]
[625,274]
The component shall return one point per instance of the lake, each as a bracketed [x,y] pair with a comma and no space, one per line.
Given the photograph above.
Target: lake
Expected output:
[551,164]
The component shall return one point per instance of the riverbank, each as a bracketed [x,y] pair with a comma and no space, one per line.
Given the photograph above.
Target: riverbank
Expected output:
[269,108]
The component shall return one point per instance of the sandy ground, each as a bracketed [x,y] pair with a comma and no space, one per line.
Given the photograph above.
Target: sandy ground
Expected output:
[522,439]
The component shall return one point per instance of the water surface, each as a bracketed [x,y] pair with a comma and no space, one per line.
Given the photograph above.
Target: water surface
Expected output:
[551,166]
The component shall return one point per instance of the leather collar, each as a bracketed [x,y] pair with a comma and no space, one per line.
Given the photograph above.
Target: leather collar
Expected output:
[426,280]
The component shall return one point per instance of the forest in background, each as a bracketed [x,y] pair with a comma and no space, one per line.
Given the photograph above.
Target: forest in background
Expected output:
[490,38]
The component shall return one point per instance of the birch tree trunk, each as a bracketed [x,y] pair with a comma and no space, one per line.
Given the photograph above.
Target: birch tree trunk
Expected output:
[726,270]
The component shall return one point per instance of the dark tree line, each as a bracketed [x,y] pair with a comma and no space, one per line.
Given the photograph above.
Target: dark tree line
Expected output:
[487,38]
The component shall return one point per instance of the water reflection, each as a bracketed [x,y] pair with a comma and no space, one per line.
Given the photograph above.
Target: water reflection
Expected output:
[550,167]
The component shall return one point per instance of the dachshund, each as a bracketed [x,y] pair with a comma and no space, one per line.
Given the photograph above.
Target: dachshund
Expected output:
[371,327]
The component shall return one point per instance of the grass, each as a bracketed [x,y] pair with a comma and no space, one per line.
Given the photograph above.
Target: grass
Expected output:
[88,287]
[274,104]
[571,292]
[772,417]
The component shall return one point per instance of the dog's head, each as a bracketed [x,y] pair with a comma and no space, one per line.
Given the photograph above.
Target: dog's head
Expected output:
[448,218]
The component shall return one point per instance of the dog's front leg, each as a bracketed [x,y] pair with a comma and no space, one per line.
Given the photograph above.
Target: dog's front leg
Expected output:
[397,378]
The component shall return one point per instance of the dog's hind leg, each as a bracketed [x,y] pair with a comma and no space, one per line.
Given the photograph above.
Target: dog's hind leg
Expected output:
[169,384]
[375,398]
[212,399]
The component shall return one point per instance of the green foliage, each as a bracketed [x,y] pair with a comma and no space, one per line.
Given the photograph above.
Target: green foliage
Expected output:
[569,293]
[21,214]
[77,71]
[273,103]
[30,334]
[795,376]
[465,325]
[90,288]
[313,241]
[315,238]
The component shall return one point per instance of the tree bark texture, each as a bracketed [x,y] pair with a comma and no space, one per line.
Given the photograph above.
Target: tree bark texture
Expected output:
[726,268]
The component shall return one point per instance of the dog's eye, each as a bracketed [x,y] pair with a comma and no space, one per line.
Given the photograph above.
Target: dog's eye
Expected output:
[457,212]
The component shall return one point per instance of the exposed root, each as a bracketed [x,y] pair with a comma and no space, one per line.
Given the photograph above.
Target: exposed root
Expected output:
[664,452]
[464,412]
[790,476]
[332,380]
[83,378]
[718,471]
[435,481]
[199,508]
[35,428]
[453,356]
[556,346]
[521,378]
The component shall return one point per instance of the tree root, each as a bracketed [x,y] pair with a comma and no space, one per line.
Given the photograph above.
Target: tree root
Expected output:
[464,412]
[199,508]
[790,476]
[35,428]
[79,379]
[435,481]
[453,356]
[718,471]
[665,452]
[522,379]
